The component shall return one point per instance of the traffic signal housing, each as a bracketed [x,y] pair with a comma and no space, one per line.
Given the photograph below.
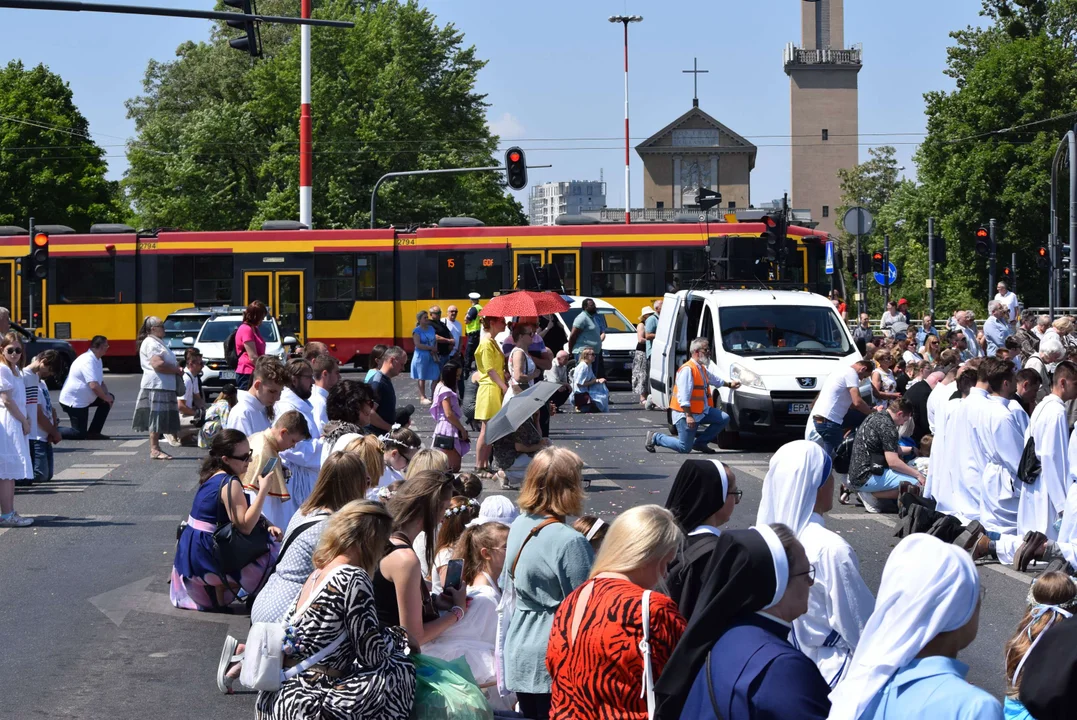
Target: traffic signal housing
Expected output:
[877,262]
[1043,257]
[516,168]
[982,240]
[39,255]
[772,233]
[251,41]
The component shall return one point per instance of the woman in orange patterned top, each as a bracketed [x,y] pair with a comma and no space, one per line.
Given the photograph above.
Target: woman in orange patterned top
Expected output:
[594,655]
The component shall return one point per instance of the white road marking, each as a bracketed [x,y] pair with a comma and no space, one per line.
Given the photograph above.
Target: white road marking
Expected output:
[134,443]
[644,419]
[115,452]
[598,480]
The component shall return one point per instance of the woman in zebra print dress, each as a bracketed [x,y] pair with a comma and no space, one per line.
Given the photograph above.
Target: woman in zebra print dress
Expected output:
[368,676]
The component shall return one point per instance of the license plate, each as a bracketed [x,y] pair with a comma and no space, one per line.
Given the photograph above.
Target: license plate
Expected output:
[227,374]
[799,408]
[628,366]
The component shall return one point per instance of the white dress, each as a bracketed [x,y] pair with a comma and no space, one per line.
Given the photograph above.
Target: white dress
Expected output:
[14,444]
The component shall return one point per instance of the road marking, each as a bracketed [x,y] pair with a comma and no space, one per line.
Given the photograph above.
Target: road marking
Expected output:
[56,486]
[598,480]
[134,443]
[864,516]
[644,419]
[115,452]
[117,604]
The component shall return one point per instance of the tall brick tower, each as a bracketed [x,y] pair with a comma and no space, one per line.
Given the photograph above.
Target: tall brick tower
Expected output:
[823,108]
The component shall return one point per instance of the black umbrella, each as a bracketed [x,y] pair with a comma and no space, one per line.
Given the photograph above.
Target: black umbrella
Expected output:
[518,409]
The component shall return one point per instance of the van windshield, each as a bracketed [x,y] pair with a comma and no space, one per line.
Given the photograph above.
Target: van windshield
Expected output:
[783,330]
[615,321]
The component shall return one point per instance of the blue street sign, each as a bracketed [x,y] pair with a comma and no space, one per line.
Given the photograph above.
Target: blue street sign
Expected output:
[829,257]
[893,276]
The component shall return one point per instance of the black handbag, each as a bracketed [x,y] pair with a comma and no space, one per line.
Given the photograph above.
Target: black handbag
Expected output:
[444,442]
[1029,468]
[234,550]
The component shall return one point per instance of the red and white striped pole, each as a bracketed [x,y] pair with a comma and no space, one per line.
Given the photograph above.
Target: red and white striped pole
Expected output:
[306,172]
[625,20]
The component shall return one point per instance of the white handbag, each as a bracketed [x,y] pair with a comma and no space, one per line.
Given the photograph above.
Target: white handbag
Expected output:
[645,649]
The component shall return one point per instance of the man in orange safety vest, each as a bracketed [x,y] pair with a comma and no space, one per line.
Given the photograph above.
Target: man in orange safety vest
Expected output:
[692,406]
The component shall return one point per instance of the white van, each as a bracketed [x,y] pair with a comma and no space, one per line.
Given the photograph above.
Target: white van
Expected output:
[780,345]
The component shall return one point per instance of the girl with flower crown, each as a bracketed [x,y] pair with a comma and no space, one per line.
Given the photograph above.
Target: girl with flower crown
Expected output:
[462,510]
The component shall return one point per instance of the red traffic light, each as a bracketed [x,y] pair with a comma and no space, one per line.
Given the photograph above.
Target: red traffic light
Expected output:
[514,157]
[769,221]
[41,240]
[1042,252]
[981,233]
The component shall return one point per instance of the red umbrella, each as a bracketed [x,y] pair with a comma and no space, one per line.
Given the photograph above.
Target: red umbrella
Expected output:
[524,303]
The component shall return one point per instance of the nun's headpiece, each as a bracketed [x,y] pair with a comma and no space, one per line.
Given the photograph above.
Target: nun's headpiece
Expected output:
[700,489]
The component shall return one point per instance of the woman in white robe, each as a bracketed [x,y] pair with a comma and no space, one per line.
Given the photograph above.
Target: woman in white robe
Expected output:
[798,489]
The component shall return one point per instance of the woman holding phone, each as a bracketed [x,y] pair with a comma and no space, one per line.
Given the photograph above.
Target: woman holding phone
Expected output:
[198,581]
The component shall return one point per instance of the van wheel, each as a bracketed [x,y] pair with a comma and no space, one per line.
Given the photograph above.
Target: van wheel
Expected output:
[729,440]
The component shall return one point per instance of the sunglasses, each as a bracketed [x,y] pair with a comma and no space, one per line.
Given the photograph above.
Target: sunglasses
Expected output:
[13,350]
[243,458]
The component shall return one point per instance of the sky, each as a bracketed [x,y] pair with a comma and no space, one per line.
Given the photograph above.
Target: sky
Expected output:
[554,79]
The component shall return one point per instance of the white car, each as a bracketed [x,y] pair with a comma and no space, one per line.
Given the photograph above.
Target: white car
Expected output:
[210,342]
[780,344]
[620,343]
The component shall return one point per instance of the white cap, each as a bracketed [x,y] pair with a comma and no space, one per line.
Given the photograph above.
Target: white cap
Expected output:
[496,508]
[474,295]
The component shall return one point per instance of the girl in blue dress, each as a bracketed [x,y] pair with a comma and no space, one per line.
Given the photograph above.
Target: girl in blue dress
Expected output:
[424,367]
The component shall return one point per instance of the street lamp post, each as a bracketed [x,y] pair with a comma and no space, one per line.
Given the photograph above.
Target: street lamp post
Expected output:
[625,20]
[306,174]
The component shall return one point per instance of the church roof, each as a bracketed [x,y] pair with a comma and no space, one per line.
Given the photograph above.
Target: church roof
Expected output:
[728,141]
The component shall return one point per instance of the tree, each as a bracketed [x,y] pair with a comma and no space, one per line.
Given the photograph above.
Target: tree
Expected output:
[49,167]
[218,144]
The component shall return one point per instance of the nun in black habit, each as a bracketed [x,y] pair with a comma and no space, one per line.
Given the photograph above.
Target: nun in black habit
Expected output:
[734,661]
[1049,683]
[701,499]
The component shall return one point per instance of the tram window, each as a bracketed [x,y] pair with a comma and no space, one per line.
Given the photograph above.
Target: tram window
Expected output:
[683,267]
[200,279]
[460,273]
[366,276]
[334,286]
[85,280]
[622,272]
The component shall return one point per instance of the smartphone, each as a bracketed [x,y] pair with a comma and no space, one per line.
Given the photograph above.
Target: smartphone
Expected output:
[454,574]
[270,465]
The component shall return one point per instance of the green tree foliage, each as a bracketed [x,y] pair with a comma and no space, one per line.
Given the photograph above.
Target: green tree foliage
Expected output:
[218,135]
[49,167]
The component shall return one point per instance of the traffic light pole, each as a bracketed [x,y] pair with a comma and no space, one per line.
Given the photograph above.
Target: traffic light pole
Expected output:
[931,266]
[410,173]
[71,6]
[992,256]
[886,270]
[861,304]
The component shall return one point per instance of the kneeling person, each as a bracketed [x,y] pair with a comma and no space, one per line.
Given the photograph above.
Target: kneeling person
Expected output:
[191,404]
[876,469]
[290,429]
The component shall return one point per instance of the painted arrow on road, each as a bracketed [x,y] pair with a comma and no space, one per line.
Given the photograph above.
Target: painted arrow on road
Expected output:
[117,604]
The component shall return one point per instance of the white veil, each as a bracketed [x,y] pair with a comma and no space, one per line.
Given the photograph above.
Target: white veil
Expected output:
[796,473]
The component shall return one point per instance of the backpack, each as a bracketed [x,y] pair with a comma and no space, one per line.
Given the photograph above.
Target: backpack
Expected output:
[231,357]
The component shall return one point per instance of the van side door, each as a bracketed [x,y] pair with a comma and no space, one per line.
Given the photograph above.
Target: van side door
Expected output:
[670,333]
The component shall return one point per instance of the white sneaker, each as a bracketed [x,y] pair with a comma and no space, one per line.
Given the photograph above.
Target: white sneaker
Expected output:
[13,519]
[173,441]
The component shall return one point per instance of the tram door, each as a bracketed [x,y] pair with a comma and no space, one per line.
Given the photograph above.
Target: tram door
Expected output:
[282,292]
[528,265]
[8,297]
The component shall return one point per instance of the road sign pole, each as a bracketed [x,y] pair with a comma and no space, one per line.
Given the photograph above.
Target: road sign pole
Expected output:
[859,280]
[886,269]
[992,255]
[931,266]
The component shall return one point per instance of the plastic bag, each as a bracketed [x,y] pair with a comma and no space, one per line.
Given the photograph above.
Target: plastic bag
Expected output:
[446,690]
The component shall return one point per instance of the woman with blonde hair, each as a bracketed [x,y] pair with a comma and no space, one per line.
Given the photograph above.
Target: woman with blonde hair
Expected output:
[545,561]
[15,461]
[1052,599]
[490,367]
[365,672]
[883,382]
[372,452]
[156,409]
[594,655]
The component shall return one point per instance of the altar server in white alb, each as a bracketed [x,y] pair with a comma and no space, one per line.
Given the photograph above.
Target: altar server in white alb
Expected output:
[1043,499]
[998,433]
[966,456]
[304,460]
[797,491]
[253,411]
[945,464]
[906,664]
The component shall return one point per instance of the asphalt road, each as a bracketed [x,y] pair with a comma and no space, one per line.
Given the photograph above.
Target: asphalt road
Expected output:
[87,630]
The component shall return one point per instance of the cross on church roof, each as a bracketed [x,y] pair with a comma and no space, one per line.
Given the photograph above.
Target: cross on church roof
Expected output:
[695,71]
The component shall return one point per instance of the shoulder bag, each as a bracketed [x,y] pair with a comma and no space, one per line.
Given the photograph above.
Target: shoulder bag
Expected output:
[645,650]
[507,606]
[1029,469]
[710,689]
[234,550]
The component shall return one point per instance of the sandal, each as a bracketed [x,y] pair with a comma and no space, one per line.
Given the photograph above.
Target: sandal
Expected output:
[228,657]
[484,473]
[503,480]
[160,455]
[844,496]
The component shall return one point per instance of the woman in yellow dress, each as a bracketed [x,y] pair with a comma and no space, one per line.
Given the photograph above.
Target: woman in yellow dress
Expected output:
[490,365]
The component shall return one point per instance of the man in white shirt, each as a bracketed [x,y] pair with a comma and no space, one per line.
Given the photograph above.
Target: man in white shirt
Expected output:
[326,374]
[1043,500]
[1000,436]
[966,323]
[304,458]
[191,403]
[693,406]
[85,388]
[1008,299]
[455,328]
[39,410]
[253,411]
[840,393]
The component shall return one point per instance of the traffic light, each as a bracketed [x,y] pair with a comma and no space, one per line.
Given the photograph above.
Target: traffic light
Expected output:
[939,246]
[877,262]
[982,240]
[1063,260]
[707,198]
[1043,257]
[251,42]
[39,255]
[516,168]
[1009,275]
[772,234]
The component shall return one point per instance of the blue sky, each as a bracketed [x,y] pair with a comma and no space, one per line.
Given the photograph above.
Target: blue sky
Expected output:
[555,76]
